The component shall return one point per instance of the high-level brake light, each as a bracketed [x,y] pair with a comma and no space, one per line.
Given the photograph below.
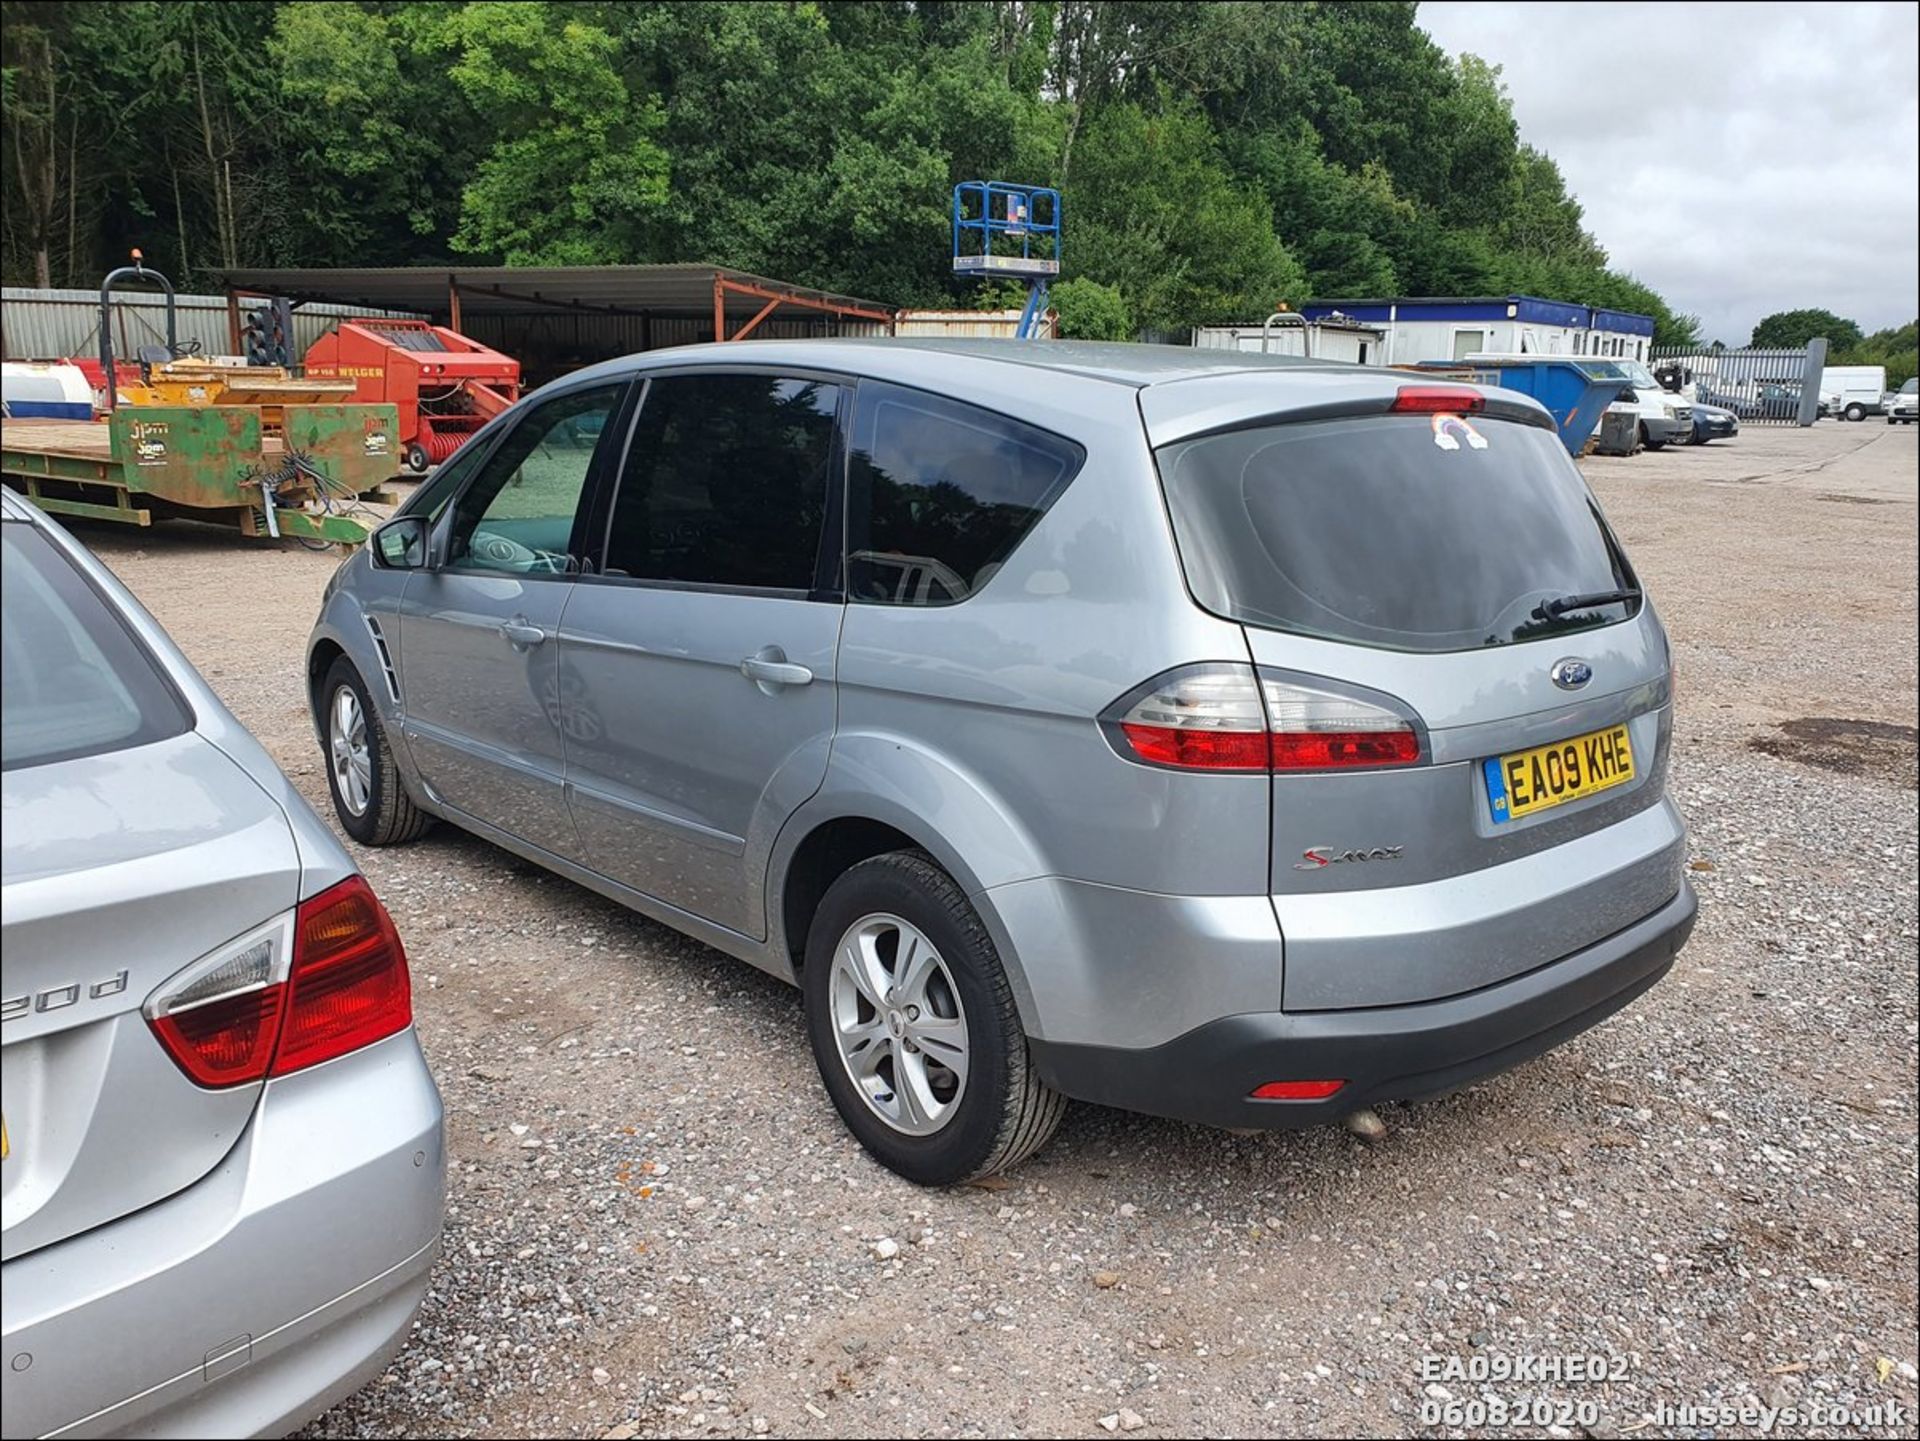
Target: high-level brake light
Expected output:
[1437,399]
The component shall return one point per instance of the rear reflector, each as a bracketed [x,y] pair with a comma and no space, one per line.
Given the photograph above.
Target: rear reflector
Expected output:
[1437,399]
[1296,1090]
[253,1011]
[1224,717]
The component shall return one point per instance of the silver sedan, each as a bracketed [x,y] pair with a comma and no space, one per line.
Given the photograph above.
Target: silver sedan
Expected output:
[224,1170]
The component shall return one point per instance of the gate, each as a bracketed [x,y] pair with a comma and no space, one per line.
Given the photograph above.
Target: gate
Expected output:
[1761,387]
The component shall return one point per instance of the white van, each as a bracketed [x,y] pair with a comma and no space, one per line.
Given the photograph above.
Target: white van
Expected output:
[1855,391]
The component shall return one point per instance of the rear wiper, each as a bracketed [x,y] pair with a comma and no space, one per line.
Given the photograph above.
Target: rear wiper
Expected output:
[1560,605]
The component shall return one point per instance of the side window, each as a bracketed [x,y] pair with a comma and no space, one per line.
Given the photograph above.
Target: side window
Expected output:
[518,513]
[940,493]
[726,482]
[431,496]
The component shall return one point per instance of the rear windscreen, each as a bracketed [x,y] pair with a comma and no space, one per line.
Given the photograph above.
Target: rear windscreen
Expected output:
[73,679]
[1406,532]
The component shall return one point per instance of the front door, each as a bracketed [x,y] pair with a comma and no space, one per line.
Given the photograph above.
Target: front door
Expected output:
[478,655]
[698,663]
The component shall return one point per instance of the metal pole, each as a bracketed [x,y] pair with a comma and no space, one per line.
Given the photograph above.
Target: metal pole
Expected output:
[1810,380]
[1294,316]
[453,305]
[719,309]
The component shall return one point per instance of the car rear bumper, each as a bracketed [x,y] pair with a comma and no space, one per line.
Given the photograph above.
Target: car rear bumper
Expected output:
[1384,1053]
[262,1294]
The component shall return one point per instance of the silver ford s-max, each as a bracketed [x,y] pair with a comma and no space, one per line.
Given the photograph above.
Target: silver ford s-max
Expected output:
[223,1163]
[1231,739]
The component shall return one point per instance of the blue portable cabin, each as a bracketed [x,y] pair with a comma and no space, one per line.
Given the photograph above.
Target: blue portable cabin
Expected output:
[1454,327]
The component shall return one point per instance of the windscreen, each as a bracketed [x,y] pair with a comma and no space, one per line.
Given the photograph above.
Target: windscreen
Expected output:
[1403,532]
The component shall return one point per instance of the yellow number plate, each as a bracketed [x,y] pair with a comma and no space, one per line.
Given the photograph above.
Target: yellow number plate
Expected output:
[1548,776]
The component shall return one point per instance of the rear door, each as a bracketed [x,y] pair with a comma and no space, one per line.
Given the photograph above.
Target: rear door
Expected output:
[479,663]
[131,847]
[697,665]
[1425,564]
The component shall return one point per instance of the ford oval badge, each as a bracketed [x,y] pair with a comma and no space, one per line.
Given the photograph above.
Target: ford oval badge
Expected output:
[1571,673]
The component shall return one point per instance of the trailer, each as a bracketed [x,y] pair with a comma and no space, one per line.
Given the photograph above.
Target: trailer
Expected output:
[443,385]
[178,435]
[215,463]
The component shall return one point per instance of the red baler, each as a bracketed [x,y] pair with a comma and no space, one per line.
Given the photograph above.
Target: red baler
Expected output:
[444,385]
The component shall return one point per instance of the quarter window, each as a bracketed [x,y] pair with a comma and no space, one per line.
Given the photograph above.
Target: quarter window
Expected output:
[940,493]
[518,515]
[726,482]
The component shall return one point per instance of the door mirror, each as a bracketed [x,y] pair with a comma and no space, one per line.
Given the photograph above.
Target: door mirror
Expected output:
[401,544]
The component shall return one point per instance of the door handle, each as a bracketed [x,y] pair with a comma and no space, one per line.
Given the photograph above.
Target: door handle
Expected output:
[520,635]
[766,672]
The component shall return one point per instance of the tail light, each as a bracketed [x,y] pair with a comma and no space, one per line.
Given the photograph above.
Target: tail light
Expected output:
[1320,730]
[328,979]
[1232,718]
[1437,399]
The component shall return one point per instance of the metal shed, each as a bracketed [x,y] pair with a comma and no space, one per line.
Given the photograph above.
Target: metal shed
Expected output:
[557,318]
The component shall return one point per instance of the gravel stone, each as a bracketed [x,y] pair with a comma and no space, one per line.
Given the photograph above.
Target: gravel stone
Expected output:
[1665,1187]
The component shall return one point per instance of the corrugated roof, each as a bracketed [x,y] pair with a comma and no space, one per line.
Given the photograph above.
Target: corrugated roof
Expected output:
[660,290]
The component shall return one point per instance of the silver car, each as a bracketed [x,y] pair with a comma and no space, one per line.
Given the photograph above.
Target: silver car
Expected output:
[223,1163]
[1238,740]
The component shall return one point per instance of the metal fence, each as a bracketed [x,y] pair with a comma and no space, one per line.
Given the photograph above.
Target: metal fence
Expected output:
[54,324]
[1761,387]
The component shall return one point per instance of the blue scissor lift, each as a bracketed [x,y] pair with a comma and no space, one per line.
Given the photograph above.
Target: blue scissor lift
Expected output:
[1012,231]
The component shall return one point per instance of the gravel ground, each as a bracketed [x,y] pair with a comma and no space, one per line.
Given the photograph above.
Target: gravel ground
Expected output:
[657,1225]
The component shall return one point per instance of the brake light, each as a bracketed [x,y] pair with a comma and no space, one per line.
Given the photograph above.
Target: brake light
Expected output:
[1437,399]
[323,981]
[1228,718]
[349,985]
[1205,717]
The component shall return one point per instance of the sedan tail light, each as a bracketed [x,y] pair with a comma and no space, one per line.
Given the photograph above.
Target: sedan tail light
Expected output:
[1222,717]
[328,979]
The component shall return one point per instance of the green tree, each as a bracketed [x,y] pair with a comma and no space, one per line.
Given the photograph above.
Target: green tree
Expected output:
[1897,348]
[1216,158]
[1089,310]
[1791,329]
[1195,252]
[574,171]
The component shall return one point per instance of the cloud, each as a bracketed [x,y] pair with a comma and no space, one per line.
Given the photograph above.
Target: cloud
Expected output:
[1740,159]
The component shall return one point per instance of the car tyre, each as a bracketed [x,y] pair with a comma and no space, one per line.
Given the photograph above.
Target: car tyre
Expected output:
[1647,442]
[868,976]
[1856,413]
[369,797]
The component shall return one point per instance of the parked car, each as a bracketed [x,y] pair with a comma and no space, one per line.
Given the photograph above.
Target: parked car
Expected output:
[1853,391]
[1903,405]
[1767,400]
[1016,701]
[1664,418]
[1713,422]
[223,1163]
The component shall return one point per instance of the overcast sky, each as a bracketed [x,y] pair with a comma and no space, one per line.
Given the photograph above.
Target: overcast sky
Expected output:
[1738,158]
